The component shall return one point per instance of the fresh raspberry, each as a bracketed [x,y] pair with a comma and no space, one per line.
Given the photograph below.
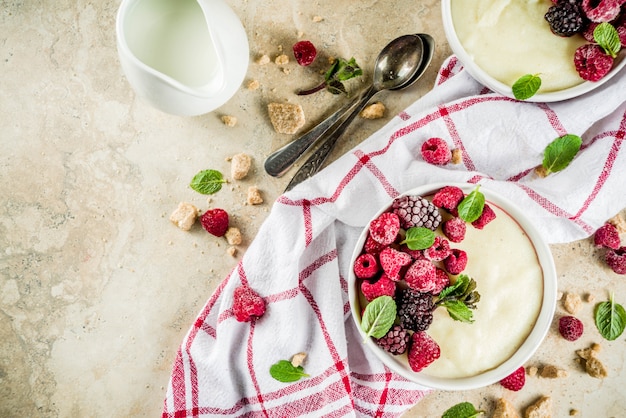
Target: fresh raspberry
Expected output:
[372,246]
[304,52]
[456,262]
[454,229]
[591,62]
[385,228]
[215,222]
[381,287]
[439,251]
[601,11]
[442,280]
[448,197]
[247,304]
[607,236]
[570,328]
[392,261]
[421,276]
[395,341]
[423,351]
[436,151]
[616,259]
[365,266]
[487,216]
[515,381]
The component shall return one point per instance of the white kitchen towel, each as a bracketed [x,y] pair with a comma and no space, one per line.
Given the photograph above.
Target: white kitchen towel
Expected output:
[299,261]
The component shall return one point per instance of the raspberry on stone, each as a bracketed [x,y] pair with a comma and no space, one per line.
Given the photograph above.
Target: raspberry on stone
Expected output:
[421,276]
[384,286]
[616,259]
[607,236]
[454,229]
[415,309]
[247,304]
[215,222]
[415,211]
[423,351]
[395,341]
[516,380]
[591,62]
[565,18]
[602,10]
[456,261]
[485,217]
[304,52]
[365,266]
[439,251]
[436,151]
[571,328]
[448,197]
[385,228]
[392,261]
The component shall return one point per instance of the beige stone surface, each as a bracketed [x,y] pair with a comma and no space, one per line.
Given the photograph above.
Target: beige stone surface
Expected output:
[98,287]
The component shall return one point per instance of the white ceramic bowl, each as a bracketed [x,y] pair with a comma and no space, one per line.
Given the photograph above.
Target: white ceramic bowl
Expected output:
[547,305]
[497,86]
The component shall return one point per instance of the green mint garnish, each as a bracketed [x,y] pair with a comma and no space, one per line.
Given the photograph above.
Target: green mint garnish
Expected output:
[607,37]
[207,181]
[560,152]
[340,71]
[462,410]
[526,86]
[419,238]
[459,299]
[471,207]
[284,371]
[610,319]
[379,316]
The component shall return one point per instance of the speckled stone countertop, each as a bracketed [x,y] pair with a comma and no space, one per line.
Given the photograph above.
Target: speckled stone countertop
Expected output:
[98,288]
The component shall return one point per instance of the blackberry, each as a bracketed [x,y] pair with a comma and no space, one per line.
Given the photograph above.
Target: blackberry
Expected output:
[566,18]
[415,310]
[416,211]
[395,341]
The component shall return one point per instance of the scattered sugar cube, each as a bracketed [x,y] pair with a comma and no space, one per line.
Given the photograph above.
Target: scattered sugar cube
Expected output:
[373,111]
[254,196]
[240,166]
[233,236]
[229,120]
[287,118]
[184,216]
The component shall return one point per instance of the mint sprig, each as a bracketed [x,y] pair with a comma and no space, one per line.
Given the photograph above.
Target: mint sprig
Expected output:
[561,152]
[471,207]
[610,318]
[379,316]
[462,410]
[607,37]
[207,182]
[460,299]
[419,238]
[284,371]
[340,71]
[526,86]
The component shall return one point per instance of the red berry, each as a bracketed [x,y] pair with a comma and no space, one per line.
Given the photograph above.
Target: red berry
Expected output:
[381,287]
[423,351]
[456,262]
[415,254]
[436,151]
[372,246]
[439,250]
[441,281]
[570,328]
[616,259]
[607,236]
[304,52]
[247,304]
[515,381]
[487,216]
[448,197]
[215,221]
[385,228]
[591,62]
[392,261]
[454,229]
[365,266]
[602,10]
[421,276]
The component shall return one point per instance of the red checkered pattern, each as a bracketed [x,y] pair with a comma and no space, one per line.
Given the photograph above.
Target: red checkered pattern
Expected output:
[300,259]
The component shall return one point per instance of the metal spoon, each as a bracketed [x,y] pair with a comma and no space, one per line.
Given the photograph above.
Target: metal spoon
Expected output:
[396,64]
[316,160]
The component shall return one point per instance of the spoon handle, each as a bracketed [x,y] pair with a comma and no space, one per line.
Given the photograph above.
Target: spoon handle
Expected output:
[282,159]
[316,160]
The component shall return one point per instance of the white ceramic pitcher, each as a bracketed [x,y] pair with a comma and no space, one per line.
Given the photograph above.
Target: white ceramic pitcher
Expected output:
[184,57]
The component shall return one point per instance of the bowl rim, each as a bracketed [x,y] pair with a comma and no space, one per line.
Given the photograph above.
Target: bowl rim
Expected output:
[497,86]
[532,341]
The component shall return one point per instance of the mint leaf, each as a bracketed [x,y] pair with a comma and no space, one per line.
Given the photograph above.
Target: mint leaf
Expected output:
[284,371]
[207,181]
[471,207]
[607,37]
[340,71]
[458,311]
[459,298]
[610,319]
[456,289]
[419,238]
[526,86]
[379,316]
[560,152]
[462,410]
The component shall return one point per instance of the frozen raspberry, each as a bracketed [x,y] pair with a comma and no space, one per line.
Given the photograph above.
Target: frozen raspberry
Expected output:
[601,11]
[372,246]
[247,304]
[416,211]
[515,381]
[591,62]
[423,351]
[456,262]
[607,236]
[304,52]
[415,254]
[588,32]
[215,222]
[421,276]
[439,250]
[621,32]
[392,261]
[570,328]
[385,228]
[442,280]
[415,310]
[448,197]
[395,341]
[454,229]
[365,266]
[487,216]
[565,18]
[616,259]
[381,287]
[436,151]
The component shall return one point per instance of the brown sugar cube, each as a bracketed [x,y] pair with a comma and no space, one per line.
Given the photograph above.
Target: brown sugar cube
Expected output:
[595,368]
[532,371]
[282,59]
[457,156]
[184,216]
[618,222]
[541,171]
[229,120]
[254,196]
[540,409]
[298,359]
[572,303]
[263,59]
[253,85]
[240,166]
[233,236]
[552,372]
[504,409]
[373,111]
[287,118]
[231,251]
